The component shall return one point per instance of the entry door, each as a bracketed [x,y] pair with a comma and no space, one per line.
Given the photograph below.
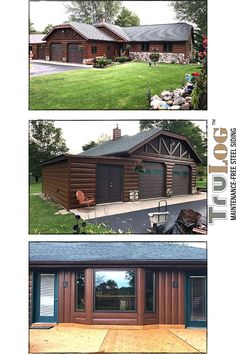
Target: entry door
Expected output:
[109,186]
[46,307]
[196,301]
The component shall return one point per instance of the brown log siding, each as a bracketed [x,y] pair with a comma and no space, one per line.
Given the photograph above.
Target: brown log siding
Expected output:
[177,47]
[55,182]
[170,301]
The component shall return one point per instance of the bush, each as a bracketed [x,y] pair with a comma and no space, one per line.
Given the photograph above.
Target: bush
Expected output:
[154,56]
[102,62]
[122,59]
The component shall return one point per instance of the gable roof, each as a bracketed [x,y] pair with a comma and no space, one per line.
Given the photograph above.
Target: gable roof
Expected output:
[121,145]
[87,31]
[37,38]
[120,31]
[174,32]
[113,251]
[126,144]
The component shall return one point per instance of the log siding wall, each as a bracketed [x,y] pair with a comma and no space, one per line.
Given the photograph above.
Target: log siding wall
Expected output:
[170,300]
[177,47]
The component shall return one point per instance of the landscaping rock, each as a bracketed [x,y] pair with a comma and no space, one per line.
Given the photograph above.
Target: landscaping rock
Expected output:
[155,103]
[179,101]
[166,95]
[174,107]
[163,105]
[185,106]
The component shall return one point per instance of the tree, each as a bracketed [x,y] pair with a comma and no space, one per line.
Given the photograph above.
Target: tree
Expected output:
[127,18]
[31,28]
[45,142]
[194,11]
[193,133]
[92,12]
[102,139]
[48,28]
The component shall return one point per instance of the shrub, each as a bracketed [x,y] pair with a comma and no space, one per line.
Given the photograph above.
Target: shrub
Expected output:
[154,56]
[122,59]
[101,62]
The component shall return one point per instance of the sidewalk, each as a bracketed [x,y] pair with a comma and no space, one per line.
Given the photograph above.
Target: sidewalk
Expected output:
[38,61]
[109,209]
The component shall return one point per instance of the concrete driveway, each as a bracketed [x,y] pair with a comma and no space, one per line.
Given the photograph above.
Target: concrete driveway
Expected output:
[65,338]
[40,69]
[138,222]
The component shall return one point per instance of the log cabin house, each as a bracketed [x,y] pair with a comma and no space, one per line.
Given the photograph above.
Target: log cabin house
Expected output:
[125,283]
[152,164]
[76,42]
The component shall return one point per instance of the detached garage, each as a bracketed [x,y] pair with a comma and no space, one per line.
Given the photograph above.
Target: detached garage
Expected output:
[151,164]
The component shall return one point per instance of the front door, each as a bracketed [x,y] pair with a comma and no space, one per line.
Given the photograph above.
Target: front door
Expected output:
[196,301]
[45,287]
[109,186]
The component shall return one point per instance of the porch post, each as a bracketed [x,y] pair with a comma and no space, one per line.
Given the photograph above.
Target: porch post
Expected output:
[140,288]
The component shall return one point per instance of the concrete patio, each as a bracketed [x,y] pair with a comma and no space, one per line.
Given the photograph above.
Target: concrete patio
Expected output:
[102,210]
[65,338]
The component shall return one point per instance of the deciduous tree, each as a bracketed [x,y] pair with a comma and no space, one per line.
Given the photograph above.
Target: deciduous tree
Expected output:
[45,142]
[127,18]
[92,12]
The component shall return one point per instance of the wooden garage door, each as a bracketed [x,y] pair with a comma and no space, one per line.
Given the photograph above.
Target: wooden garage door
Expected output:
[75,53]
[56,52]
[152,180]
[181,179]
[109,184]
[41,52]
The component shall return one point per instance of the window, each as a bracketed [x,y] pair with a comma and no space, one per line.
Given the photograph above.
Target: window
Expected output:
[145,47]
[79,289]
[167,47]
[150,291]
[94,49]
[115,290]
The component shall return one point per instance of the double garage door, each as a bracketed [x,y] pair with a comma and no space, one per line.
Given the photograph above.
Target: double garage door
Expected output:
[152,181]
[75,53]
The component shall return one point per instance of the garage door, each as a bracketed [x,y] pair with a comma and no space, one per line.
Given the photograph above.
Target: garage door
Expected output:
[56,52]
[152,180]
[109,184]
[41,52]
[75,53]
[181,180]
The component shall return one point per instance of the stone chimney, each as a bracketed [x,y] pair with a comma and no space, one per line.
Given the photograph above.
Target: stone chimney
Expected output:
[116,133]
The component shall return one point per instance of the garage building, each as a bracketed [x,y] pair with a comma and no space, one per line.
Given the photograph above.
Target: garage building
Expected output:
[152,164]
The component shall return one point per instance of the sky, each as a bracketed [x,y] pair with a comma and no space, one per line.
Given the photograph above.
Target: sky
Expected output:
[77,133]
[43,13]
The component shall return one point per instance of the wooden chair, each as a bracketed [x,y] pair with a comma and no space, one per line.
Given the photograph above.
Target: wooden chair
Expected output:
[85,200]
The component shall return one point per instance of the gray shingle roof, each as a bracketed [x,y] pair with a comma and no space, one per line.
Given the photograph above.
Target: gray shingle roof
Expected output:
[114,251]
[117,29]
[125,143]
[37,38]
[90,31]
[173,32]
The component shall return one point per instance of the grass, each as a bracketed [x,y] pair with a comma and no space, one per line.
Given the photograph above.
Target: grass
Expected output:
[44,221]
[116,87]
[201,182]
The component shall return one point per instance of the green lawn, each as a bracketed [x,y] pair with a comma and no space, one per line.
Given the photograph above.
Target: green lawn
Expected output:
[44,221]
[117,87]
[202,182]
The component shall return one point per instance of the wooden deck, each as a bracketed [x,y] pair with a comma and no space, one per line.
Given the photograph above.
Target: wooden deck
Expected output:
[79,338]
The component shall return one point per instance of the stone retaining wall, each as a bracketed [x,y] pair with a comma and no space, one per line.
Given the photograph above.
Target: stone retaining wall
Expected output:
[167,58]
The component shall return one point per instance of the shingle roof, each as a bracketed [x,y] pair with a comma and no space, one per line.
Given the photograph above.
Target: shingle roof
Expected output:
[173,32]
[121,145]
[90,31]
[113,251]
[37,38]
[117,29]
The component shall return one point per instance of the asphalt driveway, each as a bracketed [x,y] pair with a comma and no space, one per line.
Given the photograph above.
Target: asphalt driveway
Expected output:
[137,222]
[39,69]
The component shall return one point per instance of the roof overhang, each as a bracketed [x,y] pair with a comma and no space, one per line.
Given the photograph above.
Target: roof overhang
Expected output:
[100,25]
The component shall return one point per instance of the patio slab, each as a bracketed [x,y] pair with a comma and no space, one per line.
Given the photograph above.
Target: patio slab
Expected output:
[65,338]
[102,210]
